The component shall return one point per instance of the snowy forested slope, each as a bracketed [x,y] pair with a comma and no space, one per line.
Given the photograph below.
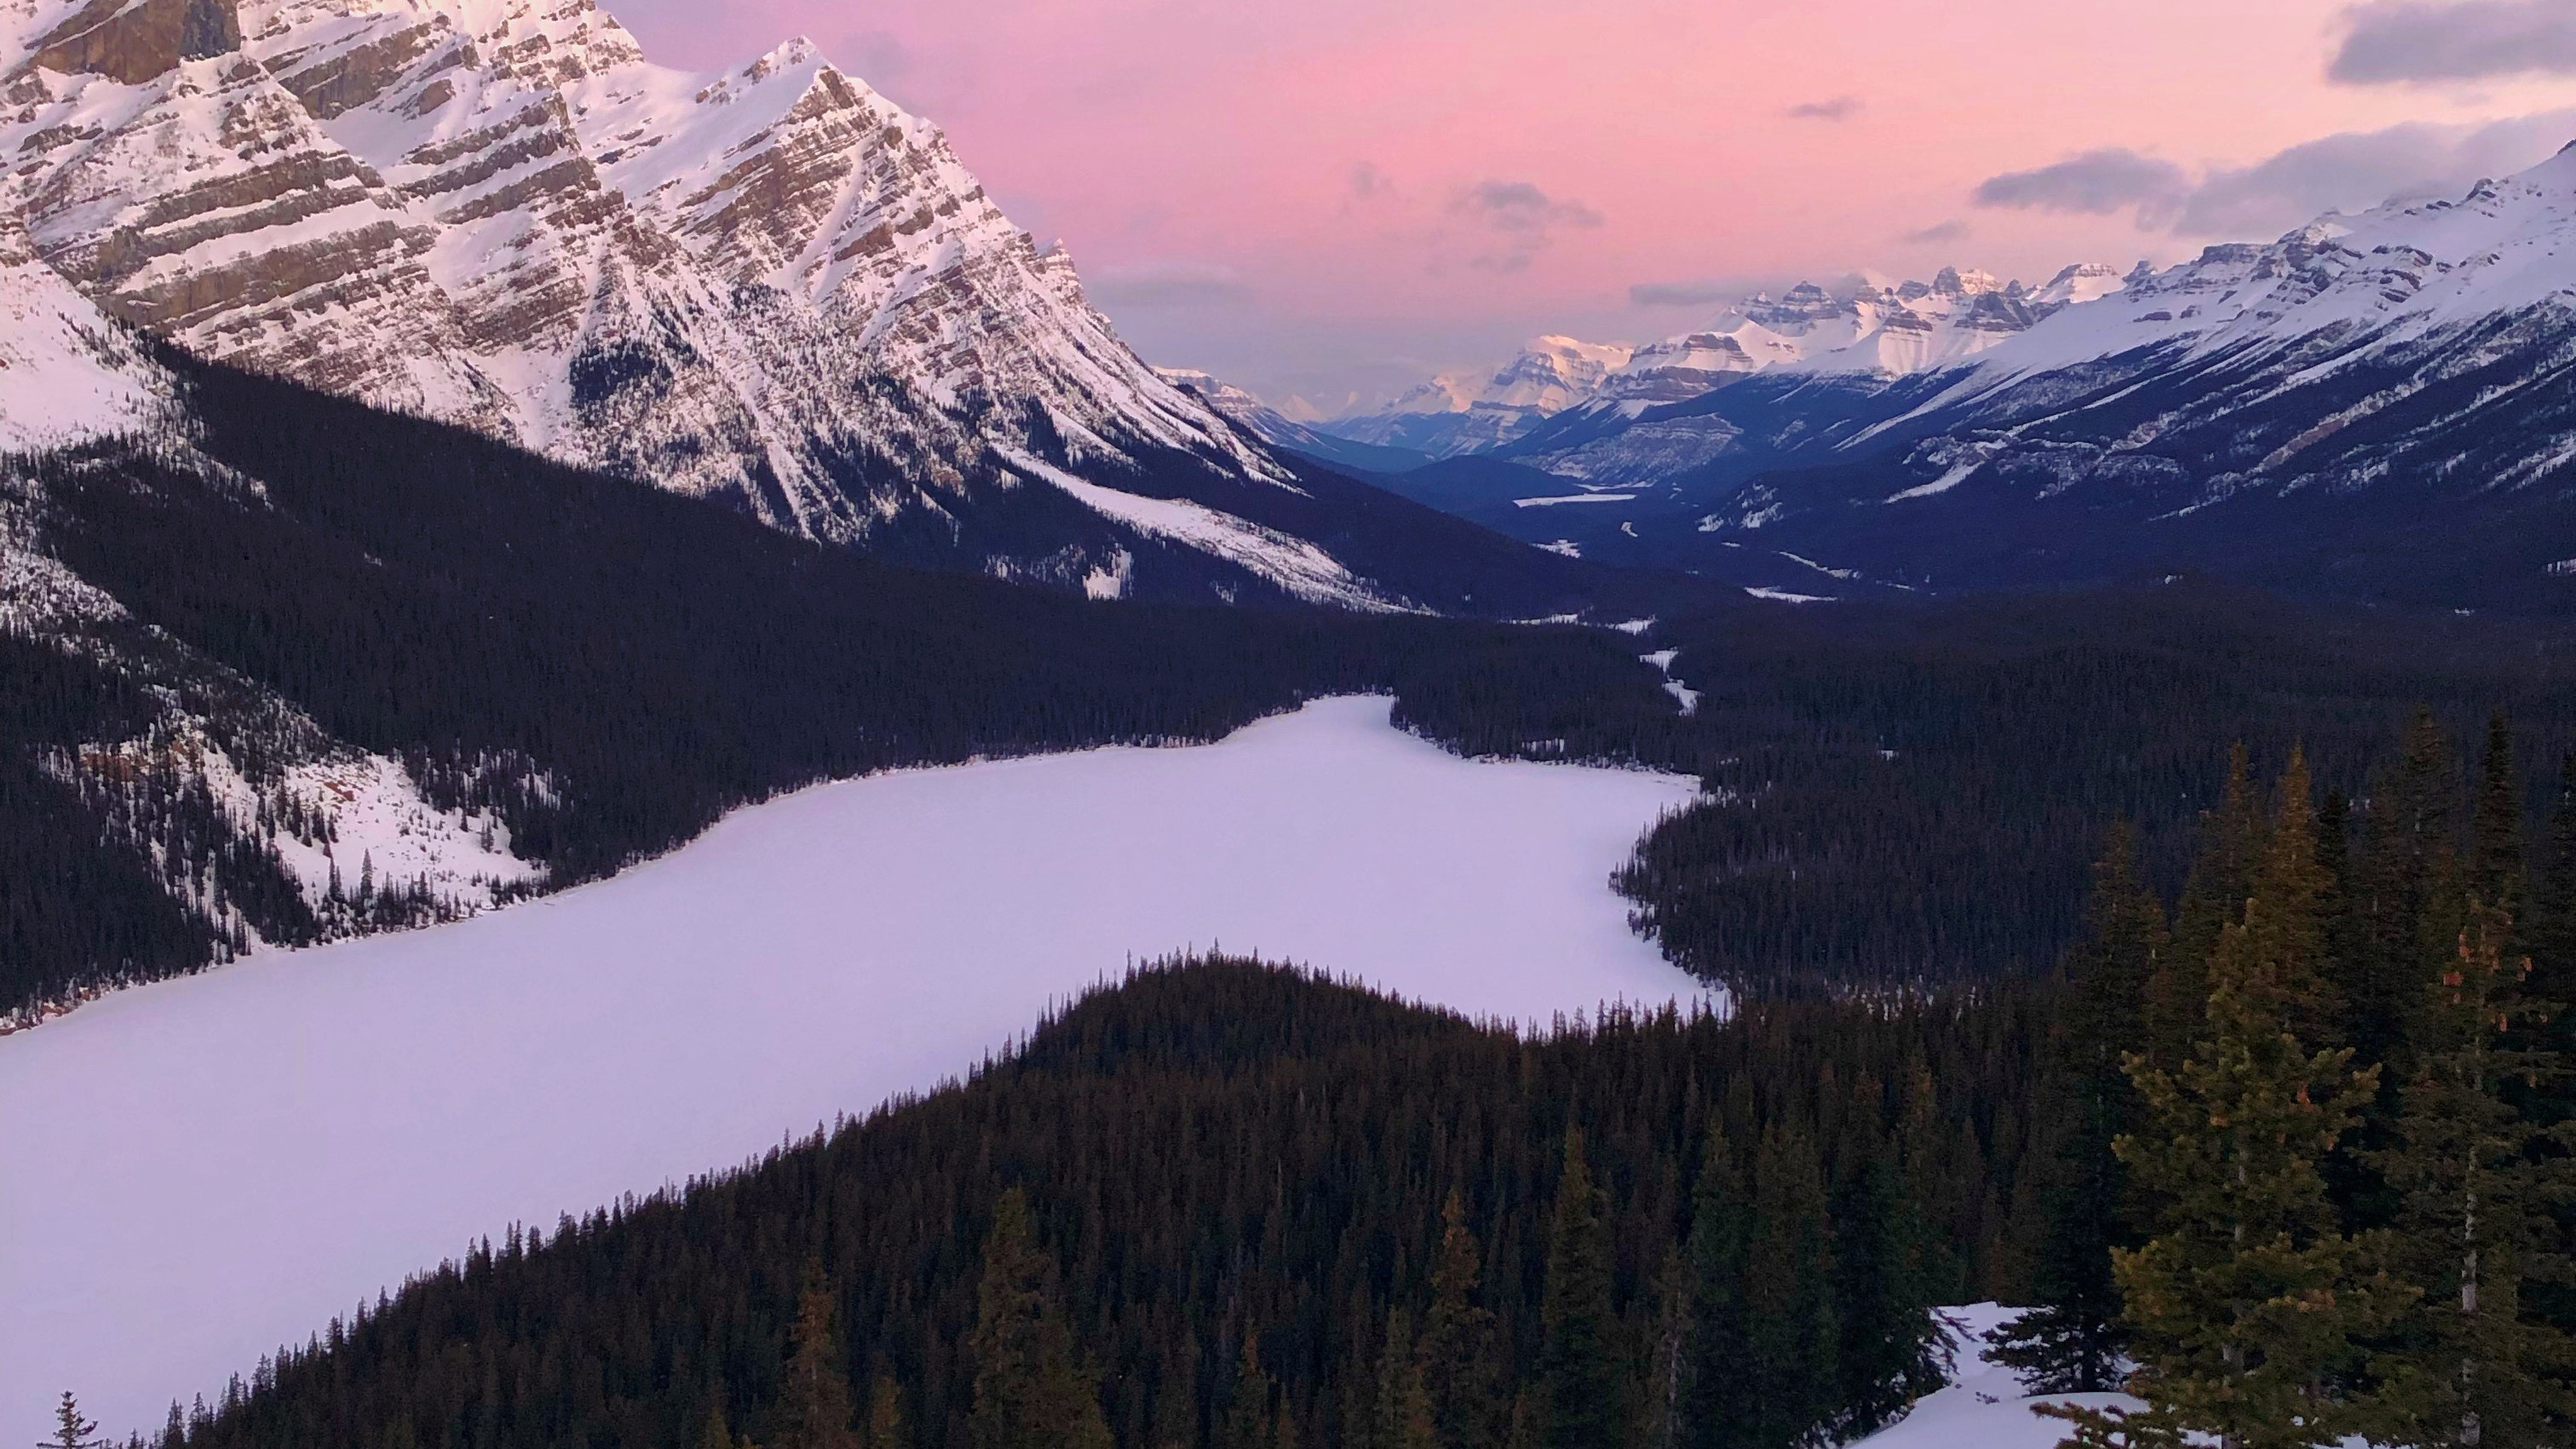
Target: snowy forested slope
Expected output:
[290,668]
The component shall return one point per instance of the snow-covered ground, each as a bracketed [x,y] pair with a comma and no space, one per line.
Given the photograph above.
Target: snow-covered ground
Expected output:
[193,1172]
[1984,1407]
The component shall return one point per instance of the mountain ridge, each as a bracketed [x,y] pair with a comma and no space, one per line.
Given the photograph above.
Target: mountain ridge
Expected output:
[770,286]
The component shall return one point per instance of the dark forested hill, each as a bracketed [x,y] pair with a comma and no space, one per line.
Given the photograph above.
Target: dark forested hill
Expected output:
[1234,1180]
[1911,792]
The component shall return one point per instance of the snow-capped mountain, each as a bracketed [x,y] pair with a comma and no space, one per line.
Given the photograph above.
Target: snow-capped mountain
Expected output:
[1862,327]
[2378,403]
[771,286]
[1552,403]
[1464,413]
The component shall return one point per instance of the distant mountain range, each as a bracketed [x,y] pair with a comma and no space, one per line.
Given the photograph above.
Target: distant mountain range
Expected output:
[772,287]
[2380,405]
[1861,324]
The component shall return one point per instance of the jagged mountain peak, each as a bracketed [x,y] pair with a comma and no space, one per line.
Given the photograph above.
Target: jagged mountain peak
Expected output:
[771,285]
[2395,275]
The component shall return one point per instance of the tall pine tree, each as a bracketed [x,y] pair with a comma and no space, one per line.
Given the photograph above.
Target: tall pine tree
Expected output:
[1718,1377]
[814,1408]
[1788,1295]
[1887,1350]
[2472,1367]
[1458,1348]
[1029,1393]
[2250,1302]
[2073,1342]
[1578,1380]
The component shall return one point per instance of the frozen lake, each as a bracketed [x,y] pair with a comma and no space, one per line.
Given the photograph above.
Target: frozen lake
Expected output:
[194,1172]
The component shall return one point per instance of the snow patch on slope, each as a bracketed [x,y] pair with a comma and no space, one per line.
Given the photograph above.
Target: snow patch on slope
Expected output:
[1301,568]
[66,371]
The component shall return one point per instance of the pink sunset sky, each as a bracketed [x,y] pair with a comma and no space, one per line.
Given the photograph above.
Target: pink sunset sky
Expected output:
[1336,196]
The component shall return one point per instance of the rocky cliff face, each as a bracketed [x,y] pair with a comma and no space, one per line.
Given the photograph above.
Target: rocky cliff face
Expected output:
[771,286]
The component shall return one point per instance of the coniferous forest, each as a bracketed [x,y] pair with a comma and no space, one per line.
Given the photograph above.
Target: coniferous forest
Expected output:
[1232,1204]
[2285,1154]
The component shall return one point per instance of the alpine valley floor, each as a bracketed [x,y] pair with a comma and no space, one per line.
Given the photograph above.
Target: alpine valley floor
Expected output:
[253,1150]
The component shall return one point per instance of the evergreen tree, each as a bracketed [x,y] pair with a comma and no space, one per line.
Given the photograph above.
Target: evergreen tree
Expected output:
[1887,1352]
[1028,1392]
[2073,1341]
[2472,1366]
[1176,1403]
[2249,1301]
[2290,931]
[715,1435]
[2548,1101]
[1659,1425]
[2178,990]
[71,1431]
[1459,1352]
[1248,1423]
[1718,1379]
[2549,935]
[2495,830]
[1788,1296]
[1404,1409]
[1578,1383]
[2412,810]
[814,1409]
[886,1428]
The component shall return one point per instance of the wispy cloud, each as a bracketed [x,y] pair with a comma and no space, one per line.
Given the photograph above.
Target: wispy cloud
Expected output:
[2347,171]
[2417,42]
[1840,108]
[1518,220]
[2096,183]
[1168,284]
[2357,169]
[1681,294]
[1946,231]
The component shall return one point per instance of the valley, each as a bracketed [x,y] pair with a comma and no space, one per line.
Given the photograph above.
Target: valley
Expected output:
[663,785]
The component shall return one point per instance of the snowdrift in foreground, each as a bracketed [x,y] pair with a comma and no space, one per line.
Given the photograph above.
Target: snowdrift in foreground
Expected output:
[1984,1407]
[213,1166]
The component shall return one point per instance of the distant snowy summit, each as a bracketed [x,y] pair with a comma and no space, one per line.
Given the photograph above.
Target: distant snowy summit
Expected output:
[1473,412]
[1863,325]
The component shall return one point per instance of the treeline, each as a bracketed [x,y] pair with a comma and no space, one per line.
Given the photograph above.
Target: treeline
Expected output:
[1236,1206]
[1908,794]
[2316,1122]
[606,666]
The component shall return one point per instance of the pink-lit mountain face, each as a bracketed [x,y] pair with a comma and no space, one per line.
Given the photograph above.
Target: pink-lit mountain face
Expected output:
[770,286]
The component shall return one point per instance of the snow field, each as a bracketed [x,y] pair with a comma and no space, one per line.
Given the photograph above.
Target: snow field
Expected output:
[1984,1407]
[201,1170]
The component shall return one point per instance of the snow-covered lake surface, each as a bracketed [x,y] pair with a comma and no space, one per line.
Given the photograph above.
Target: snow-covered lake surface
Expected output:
[194,1172]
